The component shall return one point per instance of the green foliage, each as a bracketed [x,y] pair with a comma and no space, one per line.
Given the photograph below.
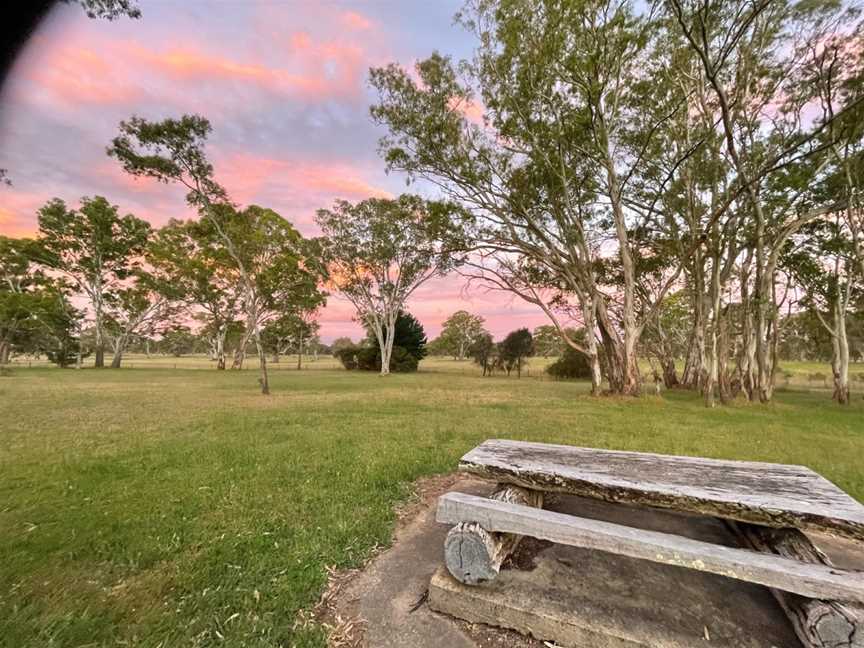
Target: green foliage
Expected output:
[388,246]
[548,341]
[341,343]
[409,335]
[202,274]
[409,347]
[108,9]
[99,253]
[379,251]
[482,351]
[458,333]
[170,151]
[93,243]
[572,364]
[347,355]
[178,341]
[514,349]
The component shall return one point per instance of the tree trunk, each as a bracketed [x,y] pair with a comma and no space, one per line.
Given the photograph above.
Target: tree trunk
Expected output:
[262,362]
[119,348]
[613,357]
[712,368]
[818,623]
[724,387]
[240,352]
[747,356]
[99,359]
[840,360]
[474,555]
[589,310]
[632,376]
[300,354]
[220,347]
[694,369]
[4,352]
[385,341]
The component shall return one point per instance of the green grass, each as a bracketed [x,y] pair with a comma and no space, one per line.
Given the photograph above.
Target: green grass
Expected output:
[161,507]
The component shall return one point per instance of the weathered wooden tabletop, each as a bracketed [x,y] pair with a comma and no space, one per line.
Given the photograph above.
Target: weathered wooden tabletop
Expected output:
[774,495]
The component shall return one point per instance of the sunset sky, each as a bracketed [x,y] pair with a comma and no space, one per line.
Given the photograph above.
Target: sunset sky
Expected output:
[284,83]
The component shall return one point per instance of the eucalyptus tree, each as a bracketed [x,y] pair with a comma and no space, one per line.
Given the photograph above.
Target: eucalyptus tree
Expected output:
[822,261]
[482,351]
[548,178]
[378,252]
[751,58]
[547,341]
[459,331]
[514,348]
[264,249]
[203,275]
[20,295]
[294,332]
[143,307]
[95,249]
[284,279]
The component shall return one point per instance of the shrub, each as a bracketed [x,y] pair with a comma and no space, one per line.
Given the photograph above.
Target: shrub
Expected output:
[347,355]
[571,364]
[401,360]
[369,359]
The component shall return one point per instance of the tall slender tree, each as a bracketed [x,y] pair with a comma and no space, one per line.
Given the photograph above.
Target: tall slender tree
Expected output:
[96,249]
[378,252]
[265,250]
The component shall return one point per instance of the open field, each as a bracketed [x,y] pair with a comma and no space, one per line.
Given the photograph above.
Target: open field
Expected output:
[162,507]
[794,375]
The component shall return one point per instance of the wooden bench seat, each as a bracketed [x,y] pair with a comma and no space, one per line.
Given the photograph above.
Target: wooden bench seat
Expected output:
[768,494]
[805,579]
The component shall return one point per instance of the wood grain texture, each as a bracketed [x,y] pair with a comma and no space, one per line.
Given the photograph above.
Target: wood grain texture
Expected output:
[774,495]
[814,581]
[818,623]
[474,555]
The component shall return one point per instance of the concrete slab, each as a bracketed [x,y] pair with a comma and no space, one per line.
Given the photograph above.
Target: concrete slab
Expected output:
[381,597]
[590,600]
[580,598]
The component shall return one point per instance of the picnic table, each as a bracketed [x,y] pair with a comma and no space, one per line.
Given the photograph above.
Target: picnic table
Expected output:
[770,508]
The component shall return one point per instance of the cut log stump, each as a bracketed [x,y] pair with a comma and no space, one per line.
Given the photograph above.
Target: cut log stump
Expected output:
[818,623]
[474,555]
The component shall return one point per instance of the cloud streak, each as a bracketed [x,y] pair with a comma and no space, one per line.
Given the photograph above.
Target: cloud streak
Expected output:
[285,86]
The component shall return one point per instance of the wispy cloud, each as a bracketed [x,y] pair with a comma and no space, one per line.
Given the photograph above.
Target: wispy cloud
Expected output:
[284,84]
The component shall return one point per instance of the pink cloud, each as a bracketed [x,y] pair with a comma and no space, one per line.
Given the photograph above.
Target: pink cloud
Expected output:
[18,211]
[473,110]
[354,20]
[78,75]
[293,182]
[190,65]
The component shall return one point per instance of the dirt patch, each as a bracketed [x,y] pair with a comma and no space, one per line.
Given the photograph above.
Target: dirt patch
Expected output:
[383,603]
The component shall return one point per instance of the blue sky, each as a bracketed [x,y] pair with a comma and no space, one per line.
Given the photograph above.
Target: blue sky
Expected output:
[284,84]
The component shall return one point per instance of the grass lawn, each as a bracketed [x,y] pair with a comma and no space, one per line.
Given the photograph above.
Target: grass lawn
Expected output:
[162,507]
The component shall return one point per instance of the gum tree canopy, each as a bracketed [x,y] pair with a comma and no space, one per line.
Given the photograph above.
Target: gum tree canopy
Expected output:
[379,251]
[96,249]
[627,151]
[268,255]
